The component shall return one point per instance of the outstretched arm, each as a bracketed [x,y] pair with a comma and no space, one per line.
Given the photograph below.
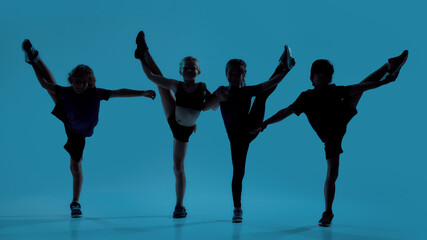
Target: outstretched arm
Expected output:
[279,116]
[366,85]
[211,103]
[209,96]
[216,97]
[132,93]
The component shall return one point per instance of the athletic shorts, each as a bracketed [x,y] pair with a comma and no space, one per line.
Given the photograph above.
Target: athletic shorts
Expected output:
[333,146]
[76,142]
[333,141]
[181,133]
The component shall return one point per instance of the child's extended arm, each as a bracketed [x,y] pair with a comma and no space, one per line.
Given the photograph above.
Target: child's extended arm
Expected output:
[279,116]
[132,93]
[277,77]
[161,81]
[364,86]
[211,103]
[218,96]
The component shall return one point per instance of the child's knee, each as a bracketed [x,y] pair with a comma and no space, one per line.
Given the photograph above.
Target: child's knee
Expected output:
[75,167]
[178,169]
[238,173]
[333,172]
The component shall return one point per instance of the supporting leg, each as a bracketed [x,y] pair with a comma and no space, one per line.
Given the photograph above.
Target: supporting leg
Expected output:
[239,150]
[179,152]
[76,171]
[331,178]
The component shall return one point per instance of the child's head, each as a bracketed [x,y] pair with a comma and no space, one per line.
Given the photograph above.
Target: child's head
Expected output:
[189,67]
[81,78]
[235,71]
[321,72]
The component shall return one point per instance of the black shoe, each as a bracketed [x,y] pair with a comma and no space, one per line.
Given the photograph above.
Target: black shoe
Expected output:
[179,212]
[141,45]
[286,59]
[237,215]
[31,54]
[396,63]
[75,210]
[326,219]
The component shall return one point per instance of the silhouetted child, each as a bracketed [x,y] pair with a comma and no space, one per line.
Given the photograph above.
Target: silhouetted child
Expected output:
[239,117]
[329,109]
[182,109]
[78,108]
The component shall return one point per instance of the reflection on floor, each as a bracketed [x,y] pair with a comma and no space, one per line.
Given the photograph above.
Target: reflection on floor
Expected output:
[193,227]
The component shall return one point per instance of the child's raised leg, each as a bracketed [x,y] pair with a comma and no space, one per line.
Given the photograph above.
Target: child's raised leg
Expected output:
[142,53]
[256,115]
[392,67]
[376,76]
[41,70]
[168,100]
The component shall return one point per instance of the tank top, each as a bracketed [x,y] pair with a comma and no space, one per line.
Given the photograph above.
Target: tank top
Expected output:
[194,100]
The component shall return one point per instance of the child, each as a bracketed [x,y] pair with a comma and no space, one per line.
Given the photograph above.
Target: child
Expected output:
[329,109]
[181,110]
[239,117]
[78,108]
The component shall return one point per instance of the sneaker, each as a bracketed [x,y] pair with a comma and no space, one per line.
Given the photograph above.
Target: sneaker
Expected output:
[396,63]
[31,54]
[141,45]
[326,219]
[179,212]
[75,210]
[286,59]
[237,215]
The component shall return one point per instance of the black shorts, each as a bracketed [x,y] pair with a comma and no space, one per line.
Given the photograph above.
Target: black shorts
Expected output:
[181,133]
[333,146]
[333,141]
[76,142]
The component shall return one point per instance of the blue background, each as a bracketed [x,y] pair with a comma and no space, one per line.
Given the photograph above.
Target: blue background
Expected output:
[128,161]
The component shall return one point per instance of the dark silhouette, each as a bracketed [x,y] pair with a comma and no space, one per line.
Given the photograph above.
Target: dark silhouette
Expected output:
[181,110]
[329,109]
[78,108]
[239,117]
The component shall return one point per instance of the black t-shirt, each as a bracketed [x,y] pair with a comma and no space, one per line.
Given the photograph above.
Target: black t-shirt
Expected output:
[235,111]
[325,109]
[82,109]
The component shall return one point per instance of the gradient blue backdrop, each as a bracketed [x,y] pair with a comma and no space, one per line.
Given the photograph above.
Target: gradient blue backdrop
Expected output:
[128,160]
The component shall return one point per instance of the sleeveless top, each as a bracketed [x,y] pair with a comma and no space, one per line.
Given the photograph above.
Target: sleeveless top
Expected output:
[194,100]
